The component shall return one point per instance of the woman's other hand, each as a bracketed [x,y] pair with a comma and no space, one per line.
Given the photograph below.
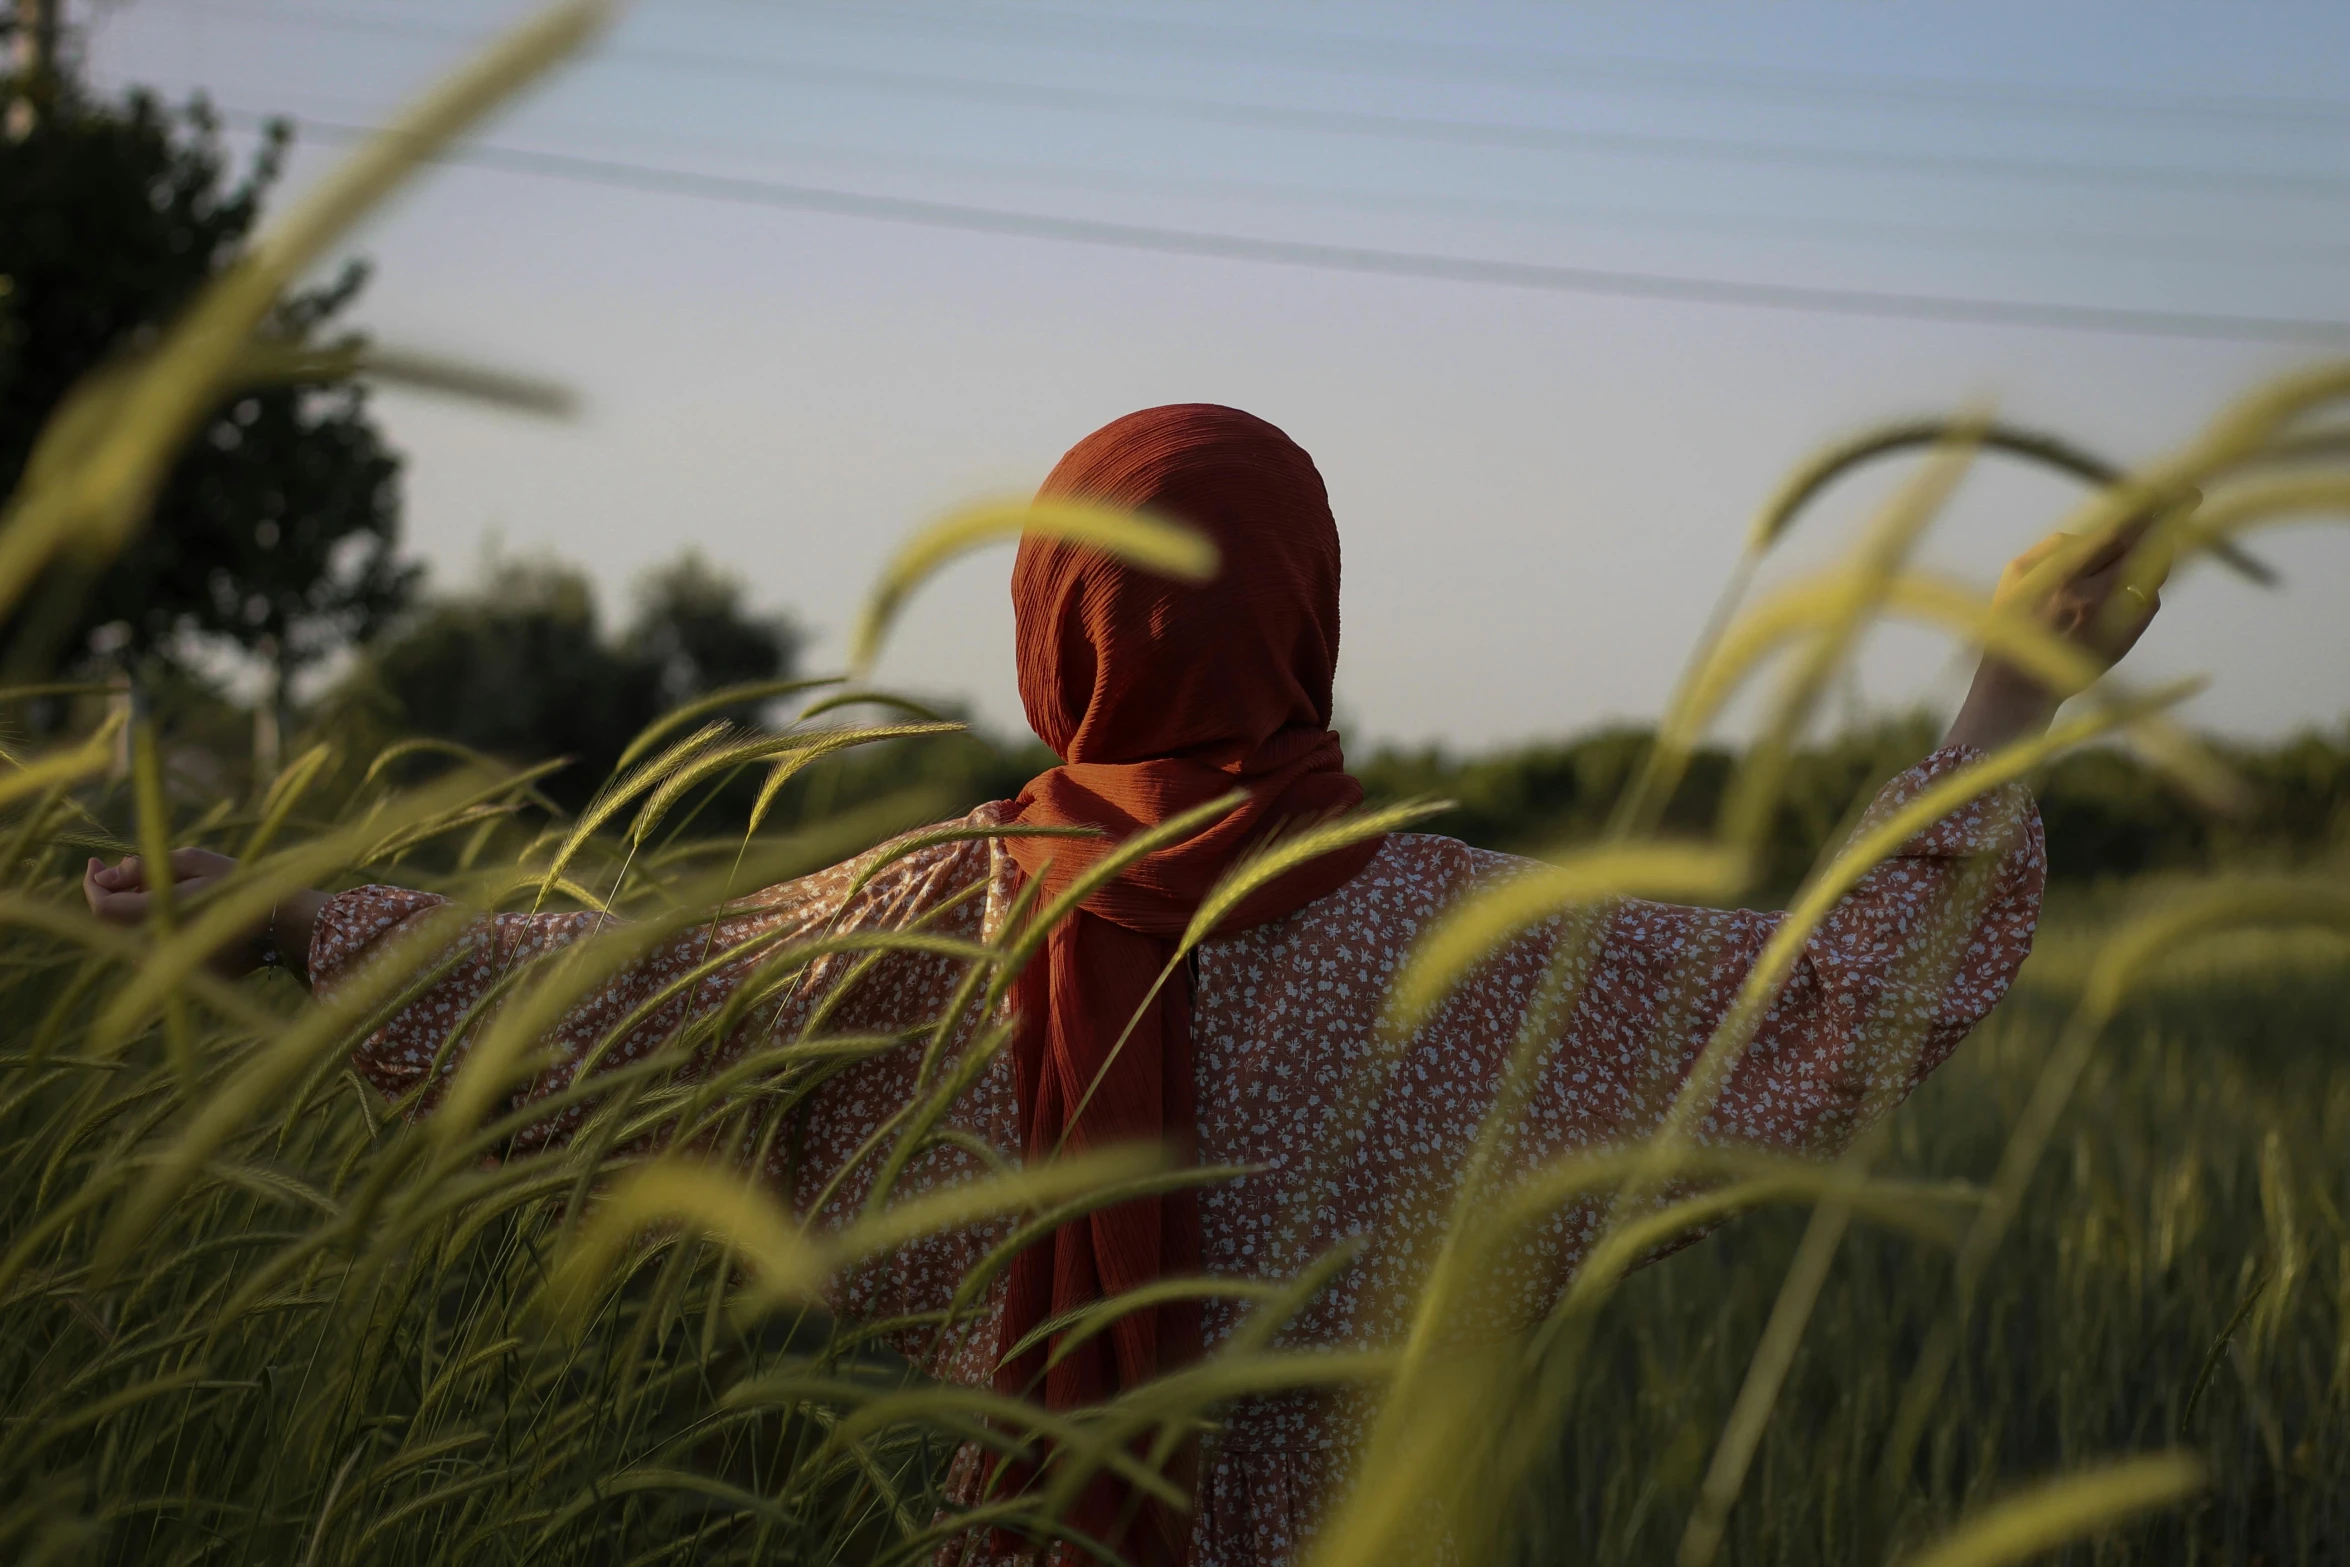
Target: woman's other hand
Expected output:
[2095,609]
[121,894]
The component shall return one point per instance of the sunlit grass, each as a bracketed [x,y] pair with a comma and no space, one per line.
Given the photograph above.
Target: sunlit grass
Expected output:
[2202,1143]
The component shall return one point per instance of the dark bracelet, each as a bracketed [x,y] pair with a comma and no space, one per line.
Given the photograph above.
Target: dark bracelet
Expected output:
[272,956]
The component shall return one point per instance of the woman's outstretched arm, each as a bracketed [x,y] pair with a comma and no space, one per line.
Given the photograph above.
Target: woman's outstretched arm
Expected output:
[1879,994]
[659,983]
[1921,949]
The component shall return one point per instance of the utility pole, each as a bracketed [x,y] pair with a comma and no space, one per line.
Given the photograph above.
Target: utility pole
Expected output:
[37,25]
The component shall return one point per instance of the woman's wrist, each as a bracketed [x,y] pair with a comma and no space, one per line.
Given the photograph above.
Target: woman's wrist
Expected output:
[285,939]
[2002,706]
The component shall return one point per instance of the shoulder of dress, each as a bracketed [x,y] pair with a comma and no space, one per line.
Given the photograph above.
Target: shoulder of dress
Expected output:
[355,920]
[1420,873]
[1412,876]
[913,855]
[992,814]
[1429,854]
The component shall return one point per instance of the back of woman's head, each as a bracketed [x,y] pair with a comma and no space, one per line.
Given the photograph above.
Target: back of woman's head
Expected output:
[1120,665]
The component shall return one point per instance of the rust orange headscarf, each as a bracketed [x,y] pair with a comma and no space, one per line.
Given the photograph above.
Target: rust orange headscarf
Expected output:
[1160,696]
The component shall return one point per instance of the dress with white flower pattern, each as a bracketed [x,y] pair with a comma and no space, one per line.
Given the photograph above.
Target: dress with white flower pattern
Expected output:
[1285,1032]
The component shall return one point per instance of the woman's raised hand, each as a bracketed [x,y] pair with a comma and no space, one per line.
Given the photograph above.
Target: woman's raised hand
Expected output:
[2096,609]
[121,894]
[2082,608]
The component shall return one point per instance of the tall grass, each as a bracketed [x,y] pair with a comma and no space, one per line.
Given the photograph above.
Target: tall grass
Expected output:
[2198,1167]
[255,1314]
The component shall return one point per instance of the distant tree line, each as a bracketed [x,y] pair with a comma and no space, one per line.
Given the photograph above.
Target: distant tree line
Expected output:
[523,666]
[2107,813]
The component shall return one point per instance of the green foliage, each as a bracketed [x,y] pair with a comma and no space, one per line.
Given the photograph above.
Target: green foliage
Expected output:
[1527,799]
[524,669]
[2108,813]
[2108,816]
[277,526]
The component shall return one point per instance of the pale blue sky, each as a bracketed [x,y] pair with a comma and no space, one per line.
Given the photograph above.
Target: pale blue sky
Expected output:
[1539,490]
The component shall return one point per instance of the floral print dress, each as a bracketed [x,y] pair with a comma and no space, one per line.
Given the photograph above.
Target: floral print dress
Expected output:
[1284,1029]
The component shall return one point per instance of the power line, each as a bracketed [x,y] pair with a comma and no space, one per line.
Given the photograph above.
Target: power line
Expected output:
[1404,127]
[1497,133]
[1615,73]
[1941,236]
[1372,261]
[1511,209]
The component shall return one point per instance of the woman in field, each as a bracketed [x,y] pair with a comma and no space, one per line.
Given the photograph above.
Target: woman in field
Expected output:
[1162,697]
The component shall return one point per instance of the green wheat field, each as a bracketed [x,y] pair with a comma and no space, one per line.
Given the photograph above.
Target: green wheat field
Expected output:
[2086,1296]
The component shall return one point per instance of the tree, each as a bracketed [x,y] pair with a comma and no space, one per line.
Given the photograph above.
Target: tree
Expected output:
[277,528]
[692,630]
[522,669]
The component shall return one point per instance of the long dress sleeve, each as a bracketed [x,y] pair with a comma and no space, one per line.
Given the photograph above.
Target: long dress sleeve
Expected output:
[823,1162]
[1882,991]
[422,1046]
